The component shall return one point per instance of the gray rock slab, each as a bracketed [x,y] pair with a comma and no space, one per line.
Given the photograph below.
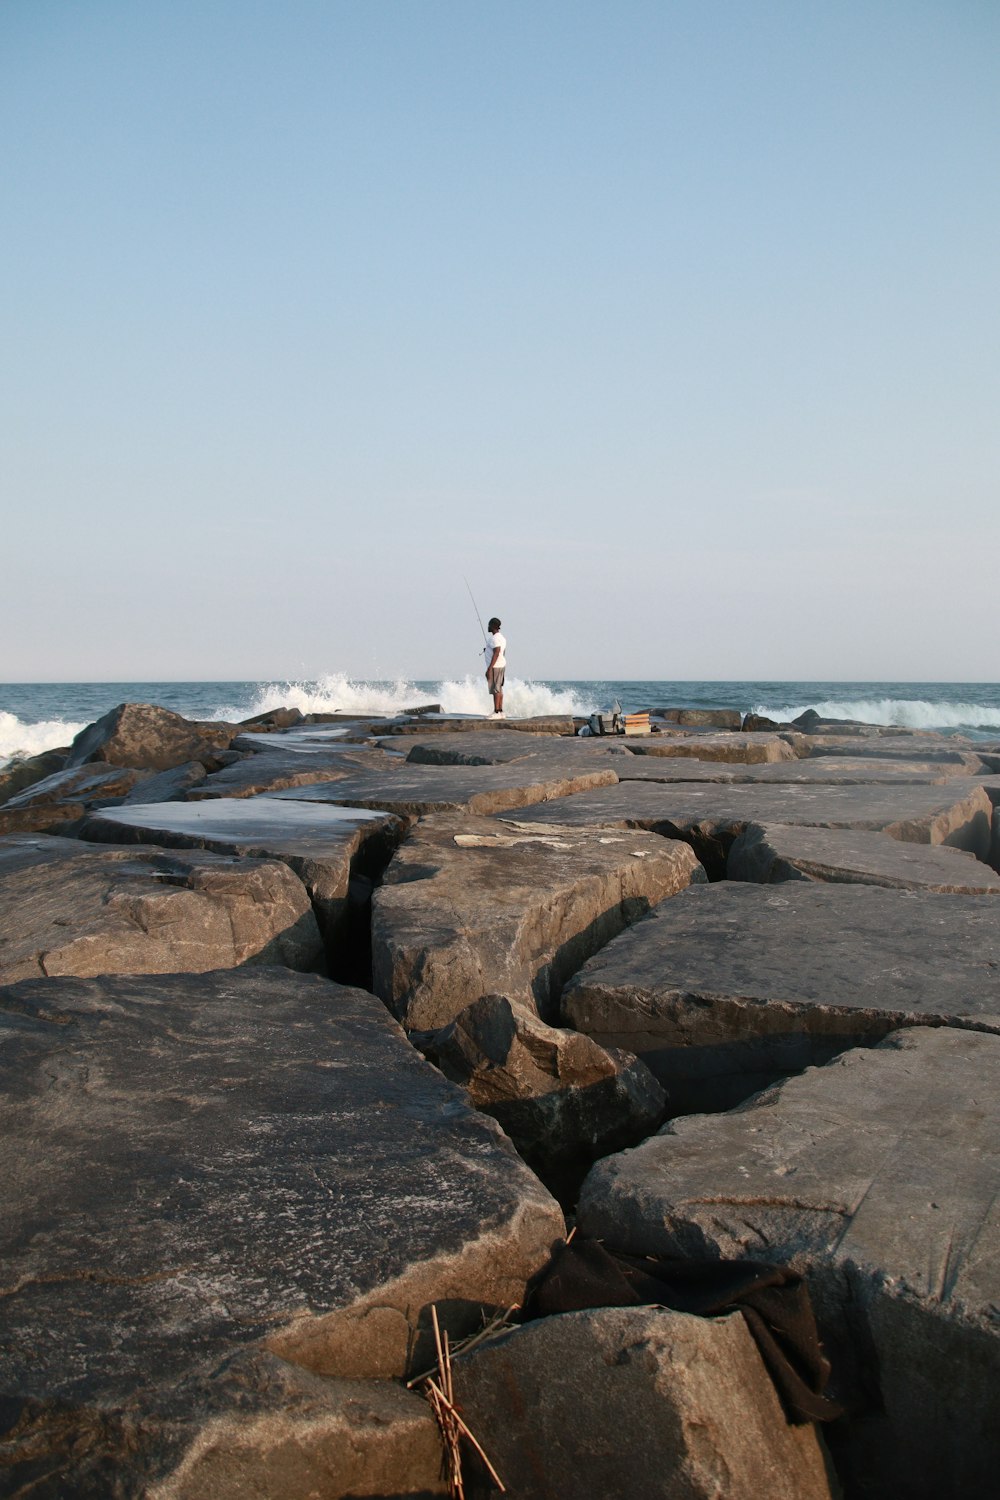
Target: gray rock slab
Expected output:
[412,791]
[67,907]
[305,738]
[488,748]
[776,852]
[168,786]
[878,1176]
[65,796]
[728,986]
[200,1166]
[324,845]
[149,737]
[277,767]
[926,747]
[742,749]
[470,907]
[958,814]
[628,1402]
[825,771]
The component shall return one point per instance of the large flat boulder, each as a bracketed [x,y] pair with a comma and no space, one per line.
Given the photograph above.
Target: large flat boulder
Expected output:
[275,766]
[202,1168]
[925,747]
[710,816]
[878,1176]
[729,986]
[747,748]
[618,1403]
[776,851]
[325,846]
[488,748]
[824,771]
[412,791]
[471,907]
[68,907]
[148,737]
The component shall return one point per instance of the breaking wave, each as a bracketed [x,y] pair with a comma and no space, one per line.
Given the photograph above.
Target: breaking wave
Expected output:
[908,713]
[18,739]
[338,693]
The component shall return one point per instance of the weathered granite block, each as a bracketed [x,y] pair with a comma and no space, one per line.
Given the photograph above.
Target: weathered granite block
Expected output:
[324,846]
[203,1165]
[68,907]
[740,748]
[710,817]
[471,907]
[776,852]
[879,1176]
[149,737]
[619,1403]
[727,987]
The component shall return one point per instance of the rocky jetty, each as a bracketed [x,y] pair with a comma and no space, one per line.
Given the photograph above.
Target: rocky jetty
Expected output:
[317,1034]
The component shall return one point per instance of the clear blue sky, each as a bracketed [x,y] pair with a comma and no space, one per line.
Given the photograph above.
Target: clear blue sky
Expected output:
[674,327]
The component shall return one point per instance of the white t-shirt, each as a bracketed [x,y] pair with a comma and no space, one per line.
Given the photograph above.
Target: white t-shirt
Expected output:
[493,640]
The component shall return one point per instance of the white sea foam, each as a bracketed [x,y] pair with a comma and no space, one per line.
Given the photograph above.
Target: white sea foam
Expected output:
[338,693]
[909,713]
[20,739]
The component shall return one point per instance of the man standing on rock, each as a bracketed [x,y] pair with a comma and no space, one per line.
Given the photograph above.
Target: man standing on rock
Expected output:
[495,652]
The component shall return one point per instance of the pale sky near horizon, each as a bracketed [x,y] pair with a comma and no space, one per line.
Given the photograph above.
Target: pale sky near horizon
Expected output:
[672,327]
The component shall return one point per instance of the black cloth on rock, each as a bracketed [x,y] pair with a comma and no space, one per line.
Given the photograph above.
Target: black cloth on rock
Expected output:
[774,1301]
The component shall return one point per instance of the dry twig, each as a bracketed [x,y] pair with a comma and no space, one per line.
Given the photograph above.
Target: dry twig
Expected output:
[441,1395]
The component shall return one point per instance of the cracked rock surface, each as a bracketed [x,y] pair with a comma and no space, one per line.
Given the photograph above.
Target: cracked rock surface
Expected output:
[879,1175]
[727,987]
[293,1177]
[473,907]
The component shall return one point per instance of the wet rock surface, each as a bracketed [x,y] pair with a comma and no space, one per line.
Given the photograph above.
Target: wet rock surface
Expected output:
[727,987]
[472,907]
[68,907]
[207,1164]
[27,770]
[879,1175]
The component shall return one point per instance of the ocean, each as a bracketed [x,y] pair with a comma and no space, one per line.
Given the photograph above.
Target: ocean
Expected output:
[36,716]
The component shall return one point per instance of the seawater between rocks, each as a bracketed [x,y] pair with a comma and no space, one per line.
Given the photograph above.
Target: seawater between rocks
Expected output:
[37,716]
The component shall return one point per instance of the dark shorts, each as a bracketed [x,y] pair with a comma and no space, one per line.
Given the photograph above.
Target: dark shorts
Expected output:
[494,679]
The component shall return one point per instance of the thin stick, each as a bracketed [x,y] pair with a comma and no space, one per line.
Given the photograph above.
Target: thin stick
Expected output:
[470,1436]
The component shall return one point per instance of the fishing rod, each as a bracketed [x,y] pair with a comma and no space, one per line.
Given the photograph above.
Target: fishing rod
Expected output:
[475,606]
